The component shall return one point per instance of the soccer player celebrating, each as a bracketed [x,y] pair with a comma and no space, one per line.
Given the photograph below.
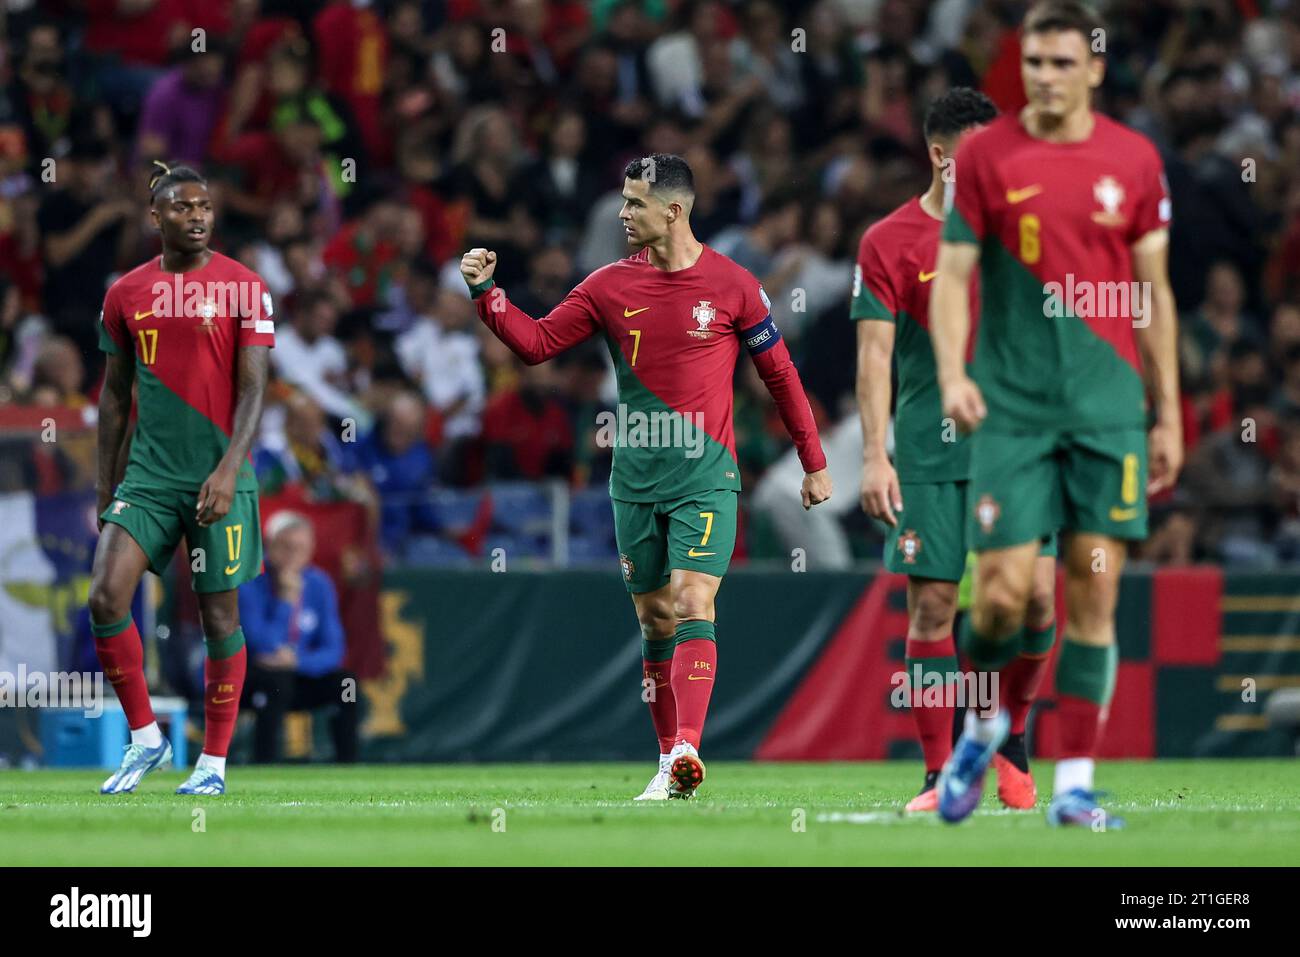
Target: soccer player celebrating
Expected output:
[923,495]
[191,330]
[1066,213]
[673,316]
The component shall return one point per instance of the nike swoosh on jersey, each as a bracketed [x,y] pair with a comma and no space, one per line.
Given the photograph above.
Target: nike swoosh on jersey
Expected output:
[692,553]
[629,313]
[698,678]
[231,570]
[223,700]
[926,276]
[1118,514]
[141,315]
[1015,196]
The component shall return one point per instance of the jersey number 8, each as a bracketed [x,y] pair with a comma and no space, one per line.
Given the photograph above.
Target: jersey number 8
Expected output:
[1030,249]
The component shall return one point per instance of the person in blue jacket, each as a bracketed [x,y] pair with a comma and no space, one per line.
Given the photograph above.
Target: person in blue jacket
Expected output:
[296,646]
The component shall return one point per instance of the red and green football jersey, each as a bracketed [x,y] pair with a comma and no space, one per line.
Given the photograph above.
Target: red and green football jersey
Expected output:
[1055,223]
[892,283]
[674,338]
[185,330]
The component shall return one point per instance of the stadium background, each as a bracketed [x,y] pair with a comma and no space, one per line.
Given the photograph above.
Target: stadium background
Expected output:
[356,149]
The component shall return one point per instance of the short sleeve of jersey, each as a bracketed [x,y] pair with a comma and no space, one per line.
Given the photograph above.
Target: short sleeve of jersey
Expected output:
[258,329]
[1153,209]
[965,197]
[754,304]
[113,337]
[873,288]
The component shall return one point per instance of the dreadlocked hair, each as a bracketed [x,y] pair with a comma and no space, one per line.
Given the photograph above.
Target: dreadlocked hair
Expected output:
[164,176]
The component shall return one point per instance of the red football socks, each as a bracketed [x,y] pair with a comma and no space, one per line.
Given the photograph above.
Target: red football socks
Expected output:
[657,689]
[121,655]
[933,721]
[223,683]
[695,665]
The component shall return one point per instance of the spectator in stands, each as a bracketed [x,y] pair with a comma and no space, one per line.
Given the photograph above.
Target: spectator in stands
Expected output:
[364,252]
[182,108]
[352,60]
[1284,332]
[262,167]
[84,229]
[820,275]
[586,373]
[307,355]
[1289,397]
[401,466]
[441,354]
[1208,332]
[303,452]
[550,277]
[562,183]
[1285,481]
[57,377]
[290,617]
[756,247]
[526,431]
[487,163]
[39,98]
[1227,480]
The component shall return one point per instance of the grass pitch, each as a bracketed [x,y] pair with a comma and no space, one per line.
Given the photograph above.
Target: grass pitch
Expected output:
[1236,812]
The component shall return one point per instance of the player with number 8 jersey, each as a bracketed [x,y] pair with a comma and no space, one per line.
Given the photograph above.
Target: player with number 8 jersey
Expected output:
[1074,386]
[674,317]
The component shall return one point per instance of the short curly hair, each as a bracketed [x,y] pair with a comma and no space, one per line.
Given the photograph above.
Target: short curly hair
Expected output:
[957,110]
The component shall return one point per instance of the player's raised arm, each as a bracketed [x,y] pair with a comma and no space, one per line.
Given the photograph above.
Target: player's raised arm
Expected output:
[950,331]
[532,340]
[1157,337]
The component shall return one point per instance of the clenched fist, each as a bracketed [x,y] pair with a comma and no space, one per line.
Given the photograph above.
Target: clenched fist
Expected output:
[477,266]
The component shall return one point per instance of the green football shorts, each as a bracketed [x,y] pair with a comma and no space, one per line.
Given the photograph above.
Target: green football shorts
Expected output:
[697,533]
[1025,485]
[931,538]
[222,556]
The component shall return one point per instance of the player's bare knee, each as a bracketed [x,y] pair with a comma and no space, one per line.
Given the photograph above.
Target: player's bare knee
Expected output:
[219,622]
[932,614]
[1042,606]
[657,627]
[693,603]
[107,604]
[1000,607]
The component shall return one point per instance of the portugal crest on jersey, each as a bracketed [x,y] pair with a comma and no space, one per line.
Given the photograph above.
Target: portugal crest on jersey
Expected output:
[628,568]
[1110,196]
[702,314]
[909,543]
[987,511]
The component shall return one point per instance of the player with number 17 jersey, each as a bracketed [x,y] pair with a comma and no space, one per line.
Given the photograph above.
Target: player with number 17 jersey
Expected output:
[185,330]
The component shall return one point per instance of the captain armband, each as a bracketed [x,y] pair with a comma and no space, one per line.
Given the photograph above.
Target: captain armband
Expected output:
[760,338]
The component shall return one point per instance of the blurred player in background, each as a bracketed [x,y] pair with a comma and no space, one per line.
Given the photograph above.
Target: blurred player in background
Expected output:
[1066,213]
[923,496]
[674,316]
[192,331]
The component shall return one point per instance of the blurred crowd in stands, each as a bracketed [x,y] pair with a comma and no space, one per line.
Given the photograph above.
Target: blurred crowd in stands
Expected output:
[356,148]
